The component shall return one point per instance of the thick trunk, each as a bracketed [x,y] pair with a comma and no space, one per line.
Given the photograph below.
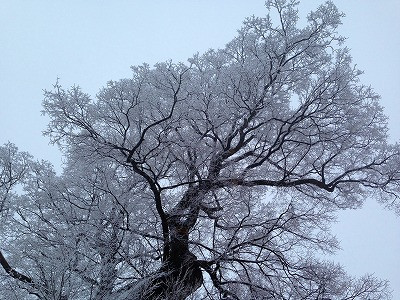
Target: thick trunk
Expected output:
[180,275]
[176,279]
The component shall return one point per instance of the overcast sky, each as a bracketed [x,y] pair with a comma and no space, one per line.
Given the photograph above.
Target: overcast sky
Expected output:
[90,42]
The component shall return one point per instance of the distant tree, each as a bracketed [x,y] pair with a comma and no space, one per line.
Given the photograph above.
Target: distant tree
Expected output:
[215,179]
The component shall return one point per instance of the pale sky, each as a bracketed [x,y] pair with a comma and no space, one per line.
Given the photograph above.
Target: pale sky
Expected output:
[90,42]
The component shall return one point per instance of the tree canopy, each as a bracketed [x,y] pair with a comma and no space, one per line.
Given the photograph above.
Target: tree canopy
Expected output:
[212,179]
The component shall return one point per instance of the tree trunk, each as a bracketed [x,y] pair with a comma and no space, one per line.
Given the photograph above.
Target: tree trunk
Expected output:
[180,275]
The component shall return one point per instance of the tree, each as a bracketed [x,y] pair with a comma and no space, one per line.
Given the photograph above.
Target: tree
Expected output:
[215,179]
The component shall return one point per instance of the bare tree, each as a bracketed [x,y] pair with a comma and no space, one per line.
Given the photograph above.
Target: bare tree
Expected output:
[216,179]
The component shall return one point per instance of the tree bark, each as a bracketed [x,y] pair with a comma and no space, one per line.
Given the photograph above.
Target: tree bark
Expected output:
[180,275]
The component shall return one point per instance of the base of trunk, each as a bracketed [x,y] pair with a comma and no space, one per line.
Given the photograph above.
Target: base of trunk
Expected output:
[176,279]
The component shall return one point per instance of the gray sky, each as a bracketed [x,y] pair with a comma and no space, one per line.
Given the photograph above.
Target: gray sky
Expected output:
[90,42]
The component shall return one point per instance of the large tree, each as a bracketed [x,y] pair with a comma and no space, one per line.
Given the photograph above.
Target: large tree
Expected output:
[212,179]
